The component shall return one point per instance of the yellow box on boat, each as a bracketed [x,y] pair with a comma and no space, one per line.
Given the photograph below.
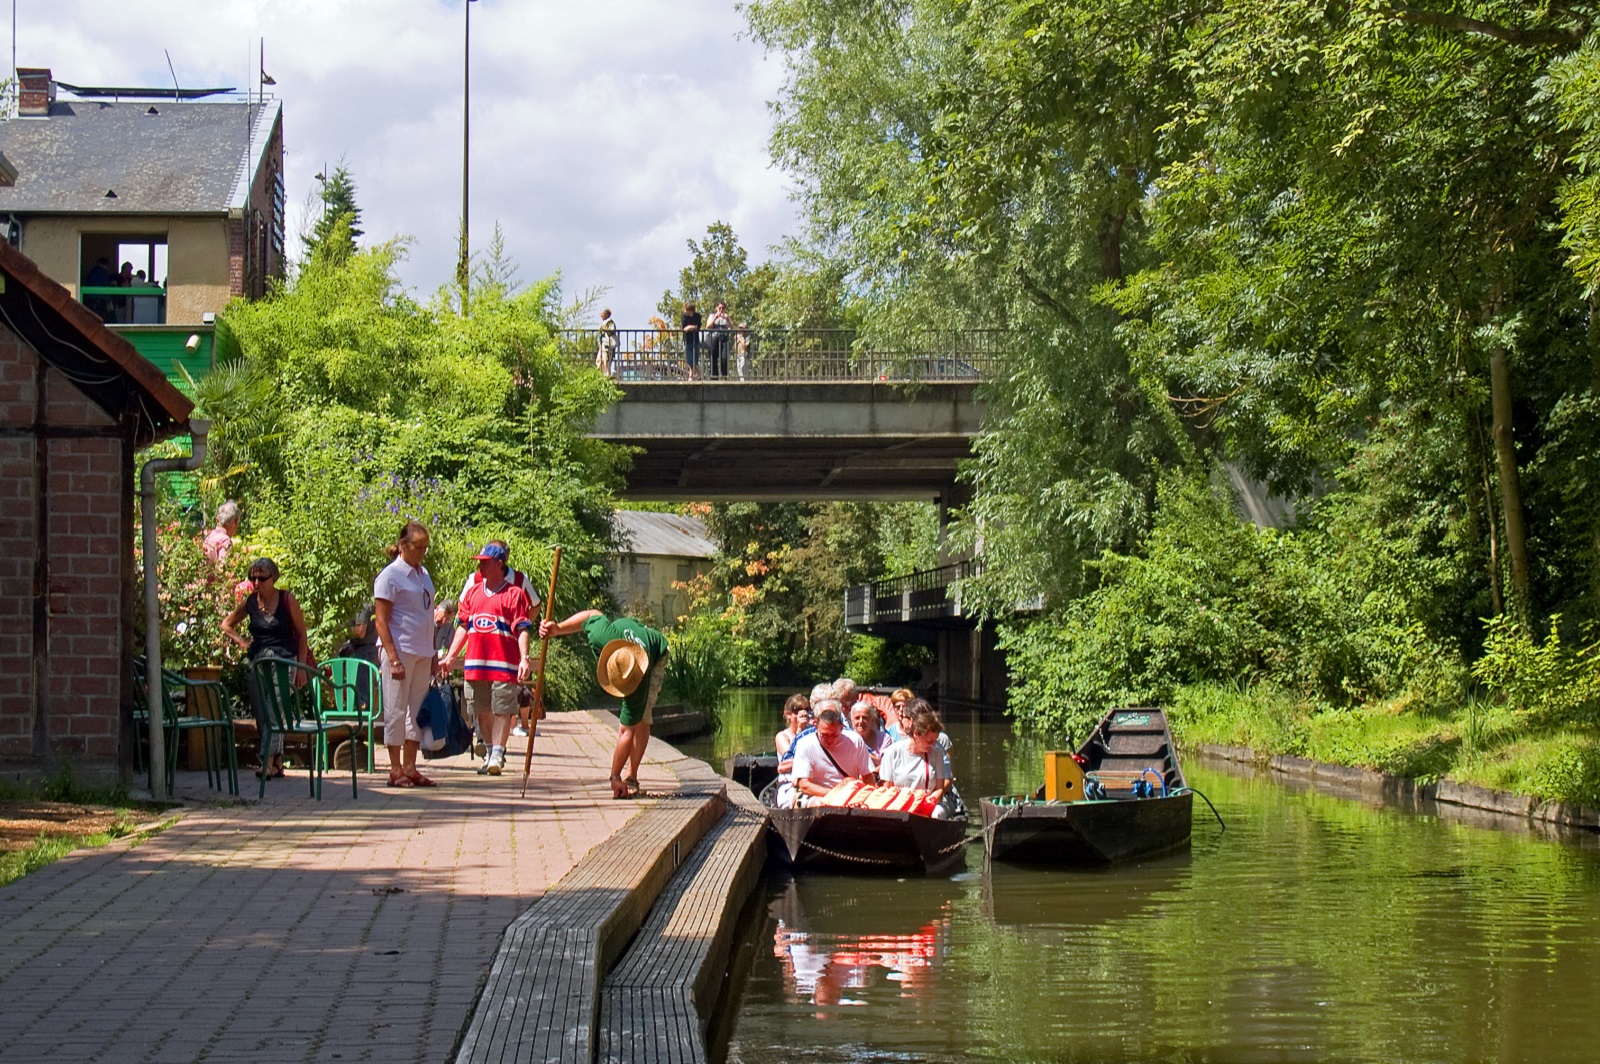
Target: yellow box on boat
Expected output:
[1063,777]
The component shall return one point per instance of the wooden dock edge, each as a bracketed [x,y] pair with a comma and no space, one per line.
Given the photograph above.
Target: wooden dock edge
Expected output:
[541,1001]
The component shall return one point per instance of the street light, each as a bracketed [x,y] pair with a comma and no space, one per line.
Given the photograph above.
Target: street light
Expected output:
[466,94]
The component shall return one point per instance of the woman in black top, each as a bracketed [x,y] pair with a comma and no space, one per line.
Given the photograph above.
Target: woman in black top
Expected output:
[691,339]
[277,630]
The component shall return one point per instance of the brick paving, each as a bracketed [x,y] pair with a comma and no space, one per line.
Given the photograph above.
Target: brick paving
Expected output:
[298,930]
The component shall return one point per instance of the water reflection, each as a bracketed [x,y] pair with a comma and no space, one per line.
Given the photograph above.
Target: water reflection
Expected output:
[1051,899]
[867,949]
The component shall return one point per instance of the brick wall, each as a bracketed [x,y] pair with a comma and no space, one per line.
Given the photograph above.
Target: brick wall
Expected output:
[77,711]
[236,249]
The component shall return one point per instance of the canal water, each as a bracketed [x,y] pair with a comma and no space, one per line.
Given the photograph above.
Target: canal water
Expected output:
[1314,928]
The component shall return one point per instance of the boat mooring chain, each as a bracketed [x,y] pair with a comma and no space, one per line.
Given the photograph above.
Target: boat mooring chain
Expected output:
[845,856]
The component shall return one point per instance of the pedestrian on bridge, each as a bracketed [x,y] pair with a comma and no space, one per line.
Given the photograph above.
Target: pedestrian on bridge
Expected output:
[691,339]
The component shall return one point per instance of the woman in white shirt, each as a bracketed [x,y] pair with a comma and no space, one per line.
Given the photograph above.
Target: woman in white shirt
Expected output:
[919,763]
[403,600]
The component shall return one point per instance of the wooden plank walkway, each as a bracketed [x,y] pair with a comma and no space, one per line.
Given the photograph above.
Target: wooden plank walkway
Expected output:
[542,998]
[658,1001]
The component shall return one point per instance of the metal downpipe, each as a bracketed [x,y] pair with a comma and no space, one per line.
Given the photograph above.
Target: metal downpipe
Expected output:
[160,784]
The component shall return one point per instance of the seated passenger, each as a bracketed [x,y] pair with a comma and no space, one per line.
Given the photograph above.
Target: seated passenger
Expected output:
[868,724]
[897,704]
[908,714]
[919,762]
[793,710]
[797,717]
[827,756]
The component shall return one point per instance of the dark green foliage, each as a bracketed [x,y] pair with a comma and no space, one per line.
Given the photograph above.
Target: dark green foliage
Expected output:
[1214,599]
[334,235]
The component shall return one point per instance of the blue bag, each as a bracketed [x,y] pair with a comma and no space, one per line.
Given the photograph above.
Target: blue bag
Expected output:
[444,730]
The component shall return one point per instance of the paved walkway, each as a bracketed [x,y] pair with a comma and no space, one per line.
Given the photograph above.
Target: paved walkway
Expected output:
[297,930]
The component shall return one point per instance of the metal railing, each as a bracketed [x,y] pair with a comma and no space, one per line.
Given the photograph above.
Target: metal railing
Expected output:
[788,355]
[922,596]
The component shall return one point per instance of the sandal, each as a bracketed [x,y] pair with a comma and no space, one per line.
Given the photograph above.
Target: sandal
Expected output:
[632,783]
[419,780]
[618,788]
[400,780]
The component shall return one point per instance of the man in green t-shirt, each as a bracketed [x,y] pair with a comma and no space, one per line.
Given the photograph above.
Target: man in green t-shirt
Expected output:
[632,663]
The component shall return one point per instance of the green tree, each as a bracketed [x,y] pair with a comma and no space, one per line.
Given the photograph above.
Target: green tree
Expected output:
[719,270]
[385,409]
[336,230]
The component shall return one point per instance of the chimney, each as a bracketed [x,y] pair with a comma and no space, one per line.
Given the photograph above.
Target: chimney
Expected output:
[38,92]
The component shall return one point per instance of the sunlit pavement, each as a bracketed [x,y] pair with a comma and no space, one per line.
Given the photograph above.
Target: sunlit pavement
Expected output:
[299,930]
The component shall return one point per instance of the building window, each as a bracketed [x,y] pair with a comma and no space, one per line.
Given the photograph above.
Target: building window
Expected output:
[123,278]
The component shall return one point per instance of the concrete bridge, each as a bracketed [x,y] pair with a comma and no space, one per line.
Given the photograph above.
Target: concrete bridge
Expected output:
[793,415]
[816,415]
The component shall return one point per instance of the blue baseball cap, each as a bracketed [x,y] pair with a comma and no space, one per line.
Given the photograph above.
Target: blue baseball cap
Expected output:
[491,552]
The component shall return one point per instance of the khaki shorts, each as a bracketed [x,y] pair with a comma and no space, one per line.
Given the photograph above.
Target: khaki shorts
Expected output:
[492,696]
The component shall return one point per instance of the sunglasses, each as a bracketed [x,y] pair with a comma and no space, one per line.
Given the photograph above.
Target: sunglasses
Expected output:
[262,579]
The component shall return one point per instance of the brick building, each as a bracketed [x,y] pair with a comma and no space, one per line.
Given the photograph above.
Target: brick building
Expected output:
[76,402]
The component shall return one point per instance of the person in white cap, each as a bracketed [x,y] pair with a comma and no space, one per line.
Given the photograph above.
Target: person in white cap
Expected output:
[632,663]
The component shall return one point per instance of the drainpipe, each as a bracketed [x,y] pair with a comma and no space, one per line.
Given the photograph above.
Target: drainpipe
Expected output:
[160,785]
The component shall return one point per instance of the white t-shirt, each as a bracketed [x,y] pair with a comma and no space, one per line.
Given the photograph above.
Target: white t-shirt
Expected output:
[410,595]
[811,762]
[903,767]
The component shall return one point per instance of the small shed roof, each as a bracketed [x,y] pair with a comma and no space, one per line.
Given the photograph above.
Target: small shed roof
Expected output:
[72,338]
[155,157]
[667,535]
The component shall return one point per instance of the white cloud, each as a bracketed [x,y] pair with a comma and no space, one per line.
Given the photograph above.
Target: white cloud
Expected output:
[603,135]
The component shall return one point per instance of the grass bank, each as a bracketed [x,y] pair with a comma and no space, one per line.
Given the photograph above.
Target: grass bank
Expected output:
[44,824]
[1477,742]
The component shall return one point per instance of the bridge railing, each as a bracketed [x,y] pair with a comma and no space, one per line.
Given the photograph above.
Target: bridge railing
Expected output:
[922,596]
[789,355]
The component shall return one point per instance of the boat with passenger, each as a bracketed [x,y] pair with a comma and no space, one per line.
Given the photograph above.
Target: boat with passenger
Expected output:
[1120,795]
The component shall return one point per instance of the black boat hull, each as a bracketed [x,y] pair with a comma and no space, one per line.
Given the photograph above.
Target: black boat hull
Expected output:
[1087,832]
[865,840]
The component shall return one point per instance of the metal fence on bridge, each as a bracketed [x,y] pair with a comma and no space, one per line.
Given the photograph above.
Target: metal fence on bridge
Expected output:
[788,355]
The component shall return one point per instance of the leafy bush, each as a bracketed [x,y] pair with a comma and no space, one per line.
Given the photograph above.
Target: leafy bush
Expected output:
[1545,681]
[194,593]
[1215,600]
[878,661]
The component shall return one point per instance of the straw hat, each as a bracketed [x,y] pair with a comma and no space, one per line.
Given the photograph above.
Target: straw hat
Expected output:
[621,666]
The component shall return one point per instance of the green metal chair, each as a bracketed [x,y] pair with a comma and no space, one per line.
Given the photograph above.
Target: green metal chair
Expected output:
[294,696]
[204,709]
[349,676]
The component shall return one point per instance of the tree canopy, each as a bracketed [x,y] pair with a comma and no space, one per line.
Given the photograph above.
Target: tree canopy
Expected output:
[1347,249]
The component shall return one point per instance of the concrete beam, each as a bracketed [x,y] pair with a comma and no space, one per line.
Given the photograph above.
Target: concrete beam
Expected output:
[733,441]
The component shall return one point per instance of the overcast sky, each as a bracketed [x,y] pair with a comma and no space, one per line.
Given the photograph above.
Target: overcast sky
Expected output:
[605,133]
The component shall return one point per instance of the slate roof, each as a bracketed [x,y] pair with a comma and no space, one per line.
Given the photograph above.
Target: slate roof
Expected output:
[668,535]
[185,158]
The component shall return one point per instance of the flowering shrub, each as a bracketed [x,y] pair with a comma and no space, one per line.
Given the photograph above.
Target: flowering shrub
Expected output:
[195,594]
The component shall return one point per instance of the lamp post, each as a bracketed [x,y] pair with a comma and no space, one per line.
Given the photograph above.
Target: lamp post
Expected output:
[466,95]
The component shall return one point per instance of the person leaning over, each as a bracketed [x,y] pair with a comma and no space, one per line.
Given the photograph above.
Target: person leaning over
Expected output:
[632,663]
[493,630]
[829,755]
[402,599]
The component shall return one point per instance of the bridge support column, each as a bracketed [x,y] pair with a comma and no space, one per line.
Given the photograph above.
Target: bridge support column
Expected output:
[971,666]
